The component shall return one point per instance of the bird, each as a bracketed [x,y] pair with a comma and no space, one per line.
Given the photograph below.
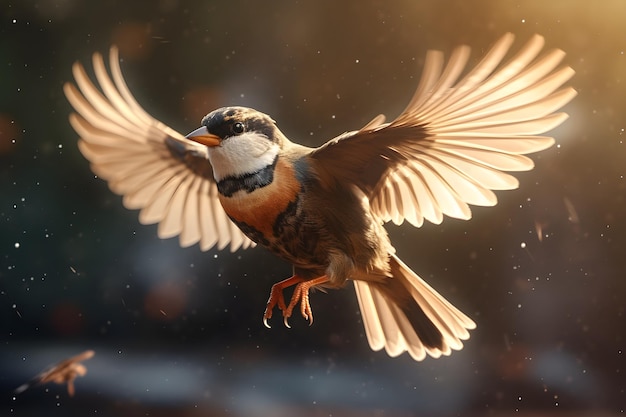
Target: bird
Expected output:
[237,180]
[62,372]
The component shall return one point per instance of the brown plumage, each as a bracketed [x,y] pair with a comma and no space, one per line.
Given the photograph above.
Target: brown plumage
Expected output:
[237,179]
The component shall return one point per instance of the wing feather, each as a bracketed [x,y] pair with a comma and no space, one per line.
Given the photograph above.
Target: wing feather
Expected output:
[207,223]
[425,198]
[145,189]
[172,223]
[156,209]
[191,231]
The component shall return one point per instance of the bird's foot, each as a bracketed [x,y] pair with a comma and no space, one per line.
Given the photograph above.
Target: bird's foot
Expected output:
[301,294]
[277,298]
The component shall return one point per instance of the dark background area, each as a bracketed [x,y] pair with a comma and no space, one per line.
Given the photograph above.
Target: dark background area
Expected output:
[179,332]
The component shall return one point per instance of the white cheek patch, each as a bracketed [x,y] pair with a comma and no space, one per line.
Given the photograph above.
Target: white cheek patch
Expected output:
[243,154]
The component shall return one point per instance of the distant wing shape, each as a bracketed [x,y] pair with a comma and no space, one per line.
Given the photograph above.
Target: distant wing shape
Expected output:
[451,145]
[62,372]
[154,167]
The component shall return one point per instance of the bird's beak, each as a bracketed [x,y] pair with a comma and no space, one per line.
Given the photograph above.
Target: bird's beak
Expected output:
[202,136]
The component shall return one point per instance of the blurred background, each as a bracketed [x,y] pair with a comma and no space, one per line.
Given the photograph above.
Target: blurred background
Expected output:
[179,331]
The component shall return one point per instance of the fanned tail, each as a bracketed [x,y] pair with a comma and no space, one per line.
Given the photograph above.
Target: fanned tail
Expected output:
[405,314]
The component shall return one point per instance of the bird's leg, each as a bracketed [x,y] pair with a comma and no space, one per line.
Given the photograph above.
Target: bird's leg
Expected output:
[70,387]
[301,293]
[276,297]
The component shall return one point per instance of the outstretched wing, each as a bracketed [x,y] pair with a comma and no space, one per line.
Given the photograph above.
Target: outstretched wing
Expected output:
[155,168]
[453,142]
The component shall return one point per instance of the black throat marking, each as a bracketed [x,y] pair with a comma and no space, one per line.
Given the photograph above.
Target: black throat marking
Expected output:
[247,182]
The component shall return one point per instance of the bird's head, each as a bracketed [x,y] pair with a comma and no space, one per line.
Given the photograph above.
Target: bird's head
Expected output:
[240,140]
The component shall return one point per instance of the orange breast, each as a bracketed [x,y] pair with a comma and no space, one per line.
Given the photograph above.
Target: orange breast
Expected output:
[261,208]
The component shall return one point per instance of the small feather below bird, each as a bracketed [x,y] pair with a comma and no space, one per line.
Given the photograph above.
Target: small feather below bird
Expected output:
[64,372]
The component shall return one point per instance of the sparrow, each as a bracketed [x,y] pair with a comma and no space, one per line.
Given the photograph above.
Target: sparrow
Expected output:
[238,180]
[63,372]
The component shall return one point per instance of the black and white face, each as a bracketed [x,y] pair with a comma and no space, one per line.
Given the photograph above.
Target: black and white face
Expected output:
[248,141]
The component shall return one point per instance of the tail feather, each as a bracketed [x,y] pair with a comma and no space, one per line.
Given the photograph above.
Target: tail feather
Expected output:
[404,313]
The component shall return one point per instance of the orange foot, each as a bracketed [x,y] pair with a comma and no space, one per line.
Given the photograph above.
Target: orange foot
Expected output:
[276,297]
[301,293]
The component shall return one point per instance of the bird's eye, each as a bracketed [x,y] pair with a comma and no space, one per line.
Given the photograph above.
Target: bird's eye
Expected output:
[238,128]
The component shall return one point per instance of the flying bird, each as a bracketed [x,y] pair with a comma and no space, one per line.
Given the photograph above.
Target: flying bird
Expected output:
[63,372]
[238,180]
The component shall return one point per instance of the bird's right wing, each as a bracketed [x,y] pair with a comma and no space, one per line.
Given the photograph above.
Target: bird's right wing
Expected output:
[156,169]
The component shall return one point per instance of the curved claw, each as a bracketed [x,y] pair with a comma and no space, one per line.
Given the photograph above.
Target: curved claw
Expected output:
[286,321]
[265,323]
[305,307]
[301,295]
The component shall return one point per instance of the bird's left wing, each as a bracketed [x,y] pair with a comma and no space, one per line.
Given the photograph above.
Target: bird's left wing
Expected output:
[451,145]
[154,167]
